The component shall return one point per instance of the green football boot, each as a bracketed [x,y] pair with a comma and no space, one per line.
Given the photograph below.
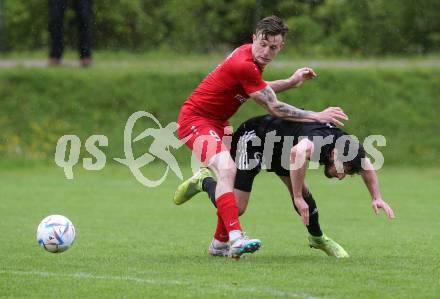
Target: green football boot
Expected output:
[330,247]
[191,186]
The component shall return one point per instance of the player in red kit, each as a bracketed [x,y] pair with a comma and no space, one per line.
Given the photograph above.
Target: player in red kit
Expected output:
[204,116]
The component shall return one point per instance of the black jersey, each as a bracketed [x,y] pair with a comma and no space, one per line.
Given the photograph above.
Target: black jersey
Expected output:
[265,142]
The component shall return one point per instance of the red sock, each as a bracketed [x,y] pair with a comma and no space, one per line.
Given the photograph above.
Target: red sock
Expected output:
[221,234]
[227,210]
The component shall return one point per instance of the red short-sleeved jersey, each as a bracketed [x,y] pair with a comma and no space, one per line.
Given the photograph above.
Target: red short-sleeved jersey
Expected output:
[228,86]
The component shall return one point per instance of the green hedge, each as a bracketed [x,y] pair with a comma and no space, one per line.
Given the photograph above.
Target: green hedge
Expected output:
[331,27]
[37,106]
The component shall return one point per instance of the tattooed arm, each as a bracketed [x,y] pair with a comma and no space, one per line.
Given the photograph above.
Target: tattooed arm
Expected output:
[267,98]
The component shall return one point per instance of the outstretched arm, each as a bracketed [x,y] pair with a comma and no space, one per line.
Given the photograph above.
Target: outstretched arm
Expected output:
[299,156]
[293,81]
[267,98]
[371,181]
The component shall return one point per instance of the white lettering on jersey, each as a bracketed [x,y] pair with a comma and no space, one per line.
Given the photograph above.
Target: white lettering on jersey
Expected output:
[240,98]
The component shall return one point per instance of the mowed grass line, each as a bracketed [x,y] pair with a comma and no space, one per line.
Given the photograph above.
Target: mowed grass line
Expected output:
[133,242]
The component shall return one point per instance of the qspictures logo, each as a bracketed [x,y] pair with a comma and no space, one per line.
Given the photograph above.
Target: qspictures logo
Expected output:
[163,139]
[67,153]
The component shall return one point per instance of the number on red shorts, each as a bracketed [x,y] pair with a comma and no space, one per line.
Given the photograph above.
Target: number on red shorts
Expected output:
[215,135]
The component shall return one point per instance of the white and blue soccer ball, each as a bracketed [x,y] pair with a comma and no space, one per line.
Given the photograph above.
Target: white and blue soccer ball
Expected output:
[55,233]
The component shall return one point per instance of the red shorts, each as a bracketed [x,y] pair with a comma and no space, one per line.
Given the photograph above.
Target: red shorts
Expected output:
[204,136]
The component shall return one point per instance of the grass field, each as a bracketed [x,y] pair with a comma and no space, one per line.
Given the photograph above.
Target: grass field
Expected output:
[133,242]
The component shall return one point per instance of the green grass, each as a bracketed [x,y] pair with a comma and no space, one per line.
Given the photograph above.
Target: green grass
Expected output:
[133,242]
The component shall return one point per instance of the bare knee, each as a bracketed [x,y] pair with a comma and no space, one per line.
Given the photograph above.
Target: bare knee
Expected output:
[227,174]
[225,169]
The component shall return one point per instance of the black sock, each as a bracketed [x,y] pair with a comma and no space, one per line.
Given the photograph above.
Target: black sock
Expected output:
[313,227]
[208,185]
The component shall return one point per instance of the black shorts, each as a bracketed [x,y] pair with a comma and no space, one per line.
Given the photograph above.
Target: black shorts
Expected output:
[247,150]
[247,157]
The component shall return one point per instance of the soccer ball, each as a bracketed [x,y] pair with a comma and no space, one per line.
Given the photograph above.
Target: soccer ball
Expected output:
[55,233]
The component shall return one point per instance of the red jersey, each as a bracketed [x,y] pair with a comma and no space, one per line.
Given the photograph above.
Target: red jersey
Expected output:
[228,86]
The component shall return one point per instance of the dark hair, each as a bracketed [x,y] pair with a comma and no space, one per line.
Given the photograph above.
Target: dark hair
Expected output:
[354,166]
[272,26]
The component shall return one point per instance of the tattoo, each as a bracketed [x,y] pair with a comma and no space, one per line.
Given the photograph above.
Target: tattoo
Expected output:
[267,97]
[290,111]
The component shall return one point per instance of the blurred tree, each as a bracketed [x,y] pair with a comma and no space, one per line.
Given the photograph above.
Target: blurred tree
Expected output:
[25,24]
[2,37]
[326,27]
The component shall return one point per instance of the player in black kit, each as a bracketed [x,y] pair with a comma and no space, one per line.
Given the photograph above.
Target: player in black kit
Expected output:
[285,148]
